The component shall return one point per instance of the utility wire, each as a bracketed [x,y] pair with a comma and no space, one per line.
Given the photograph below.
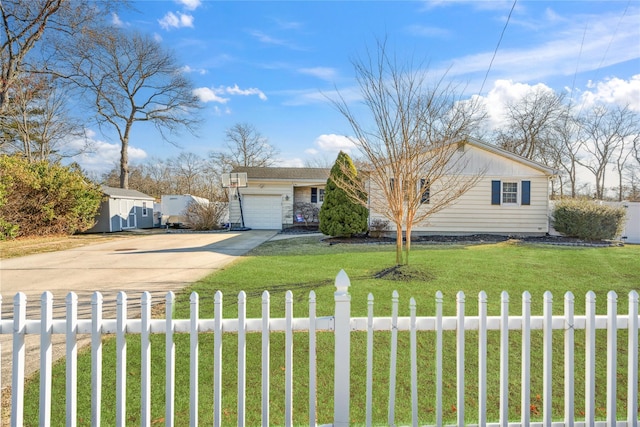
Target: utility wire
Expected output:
[495,52]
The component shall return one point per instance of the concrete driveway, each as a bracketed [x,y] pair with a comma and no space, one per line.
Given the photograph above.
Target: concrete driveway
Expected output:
[157,263]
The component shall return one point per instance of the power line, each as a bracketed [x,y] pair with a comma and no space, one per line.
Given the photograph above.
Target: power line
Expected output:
[495,52]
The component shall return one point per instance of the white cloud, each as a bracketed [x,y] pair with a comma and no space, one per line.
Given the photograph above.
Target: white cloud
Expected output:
[189,4]
[116,21]
[187,69]
[333,143]
[503,93]
[103,156]
[215,94]
[157,37]
[209,95]
[179,20]
[235,90]
[614,91]
[324,73]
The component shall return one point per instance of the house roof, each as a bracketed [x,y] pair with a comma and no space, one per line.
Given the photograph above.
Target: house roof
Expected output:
[122,193]
[316,174]
[512,156]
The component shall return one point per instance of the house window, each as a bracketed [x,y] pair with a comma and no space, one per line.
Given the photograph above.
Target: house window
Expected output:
[321,195]
[509,192]
[144,208]
[425,191]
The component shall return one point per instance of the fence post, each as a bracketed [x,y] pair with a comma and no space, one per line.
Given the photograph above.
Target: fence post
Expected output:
[342,374]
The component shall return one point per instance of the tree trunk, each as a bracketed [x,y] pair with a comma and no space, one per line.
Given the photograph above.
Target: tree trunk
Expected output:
[124,164]
[407,245]
[398,243]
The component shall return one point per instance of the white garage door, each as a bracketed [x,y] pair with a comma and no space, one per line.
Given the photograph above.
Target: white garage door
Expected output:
[262,212]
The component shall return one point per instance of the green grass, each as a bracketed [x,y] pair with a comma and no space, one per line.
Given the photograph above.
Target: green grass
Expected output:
[303,264]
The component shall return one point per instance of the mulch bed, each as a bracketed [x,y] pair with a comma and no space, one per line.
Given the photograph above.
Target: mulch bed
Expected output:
[473,239]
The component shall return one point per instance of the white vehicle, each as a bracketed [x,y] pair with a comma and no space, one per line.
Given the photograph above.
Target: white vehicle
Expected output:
[174,209]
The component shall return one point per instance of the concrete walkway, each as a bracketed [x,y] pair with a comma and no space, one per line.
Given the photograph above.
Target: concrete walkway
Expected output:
[157,263]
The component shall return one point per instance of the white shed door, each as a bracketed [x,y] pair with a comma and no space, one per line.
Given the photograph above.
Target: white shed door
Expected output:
[262,212]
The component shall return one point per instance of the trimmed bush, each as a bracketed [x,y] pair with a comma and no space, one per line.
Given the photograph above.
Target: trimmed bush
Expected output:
[588,220]
[39,199]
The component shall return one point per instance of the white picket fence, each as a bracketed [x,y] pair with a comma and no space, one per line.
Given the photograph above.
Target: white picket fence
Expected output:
[342,325]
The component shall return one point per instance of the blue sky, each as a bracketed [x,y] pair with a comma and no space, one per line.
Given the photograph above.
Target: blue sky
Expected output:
[272,63]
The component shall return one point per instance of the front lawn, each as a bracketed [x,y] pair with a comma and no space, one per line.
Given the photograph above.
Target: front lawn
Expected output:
[304,264]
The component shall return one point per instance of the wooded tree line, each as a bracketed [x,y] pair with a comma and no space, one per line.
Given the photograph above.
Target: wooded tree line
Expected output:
[59,55]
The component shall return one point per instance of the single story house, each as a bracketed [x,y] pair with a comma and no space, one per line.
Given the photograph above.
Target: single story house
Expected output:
[123,209]
[511,195]
[271,194]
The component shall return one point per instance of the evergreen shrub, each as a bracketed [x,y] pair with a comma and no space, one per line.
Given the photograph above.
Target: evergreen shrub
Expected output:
[589,220]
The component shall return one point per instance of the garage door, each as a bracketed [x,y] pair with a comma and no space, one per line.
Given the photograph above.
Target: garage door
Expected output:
[262,212]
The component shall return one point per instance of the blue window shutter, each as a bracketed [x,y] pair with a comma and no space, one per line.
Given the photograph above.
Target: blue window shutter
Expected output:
[526,192]
[495,192]
[314,195]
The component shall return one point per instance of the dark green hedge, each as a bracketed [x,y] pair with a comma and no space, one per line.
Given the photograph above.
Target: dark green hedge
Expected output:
[589,220]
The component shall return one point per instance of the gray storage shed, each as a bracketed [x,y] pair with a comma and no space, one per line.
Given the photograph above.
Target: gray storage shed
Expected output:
[123,210]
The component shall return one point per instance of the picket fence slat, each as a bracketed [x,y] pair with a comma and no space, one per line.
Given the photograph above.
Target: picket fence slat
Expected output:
[121,360]
[312,359]
[482,359]
[632,360]
[504,359]
[242,358]
[569,404]
[525,369]
[342,325]
[96,359]
[145,363]
[266,313]
[393,355]
[194,351]
[612,353]
[46,357]
[460,333]
[71,382]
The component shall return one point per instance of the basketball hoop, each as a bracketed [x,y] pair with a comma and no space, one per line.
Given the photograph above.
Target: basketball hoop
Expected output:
[234,180]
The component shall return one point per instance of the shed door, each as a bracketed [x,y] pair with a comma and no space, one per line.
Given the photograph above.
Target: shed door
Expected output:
[127,214]
[262,212]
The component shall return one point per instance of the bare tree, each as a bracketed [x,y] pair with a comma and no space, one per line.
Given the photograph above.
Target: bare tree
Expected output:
[128,77]
[245,147]
[26,22]
[412,148]
[187,170]
[37,122]
[530,125]
[604,132]
[563,151]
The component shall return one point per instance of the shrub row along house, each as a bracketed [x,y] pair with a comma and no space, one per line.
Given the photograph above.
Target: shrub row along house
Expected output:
[511,196]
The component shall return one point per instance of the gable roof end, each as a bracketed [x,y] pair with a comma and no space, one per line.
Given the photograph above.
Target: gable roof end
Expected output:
[512,156]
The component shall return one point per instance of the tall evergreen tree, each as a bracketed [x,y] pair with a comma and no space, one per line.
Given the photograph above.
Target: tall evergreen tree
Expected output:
[340,215]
